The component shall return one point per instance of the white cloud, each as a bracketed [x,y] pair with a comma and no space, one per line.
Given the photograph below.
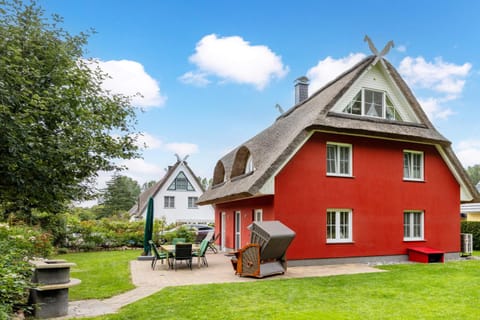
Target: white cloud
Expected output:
[236,60]
[197,79]
[130,78]
[468,152]
[146,139]
[434,108]
[182,148]
[141,171]
[401,48]
[439,76]
[329,68]
[445,80]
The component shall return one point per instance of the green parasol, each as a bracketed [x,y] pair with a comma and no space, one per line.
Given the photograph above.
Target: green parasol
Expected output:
[148,228]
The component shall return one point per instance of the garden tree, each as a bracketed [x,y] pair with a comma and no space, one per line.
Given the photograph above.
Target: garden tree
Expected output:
[58,126]
[119,196]
[148,185]
[474,173]
[205,182]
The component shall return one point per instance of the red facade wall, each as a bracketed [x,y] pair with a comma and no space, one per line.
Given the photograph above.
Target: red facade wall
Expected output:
[246,208]
[377,195]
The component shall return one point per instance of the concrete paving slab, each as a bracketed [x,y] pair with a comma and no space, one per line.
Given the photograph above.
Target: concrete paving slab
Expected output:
[219,270]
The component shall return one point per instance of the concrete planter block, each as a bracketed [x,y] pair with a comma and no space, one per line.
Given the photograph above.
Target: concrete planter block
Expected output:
[50,297]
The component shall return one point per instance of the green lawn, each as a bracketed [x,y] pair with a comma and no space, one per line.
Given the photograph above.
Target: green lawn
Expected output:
[103,274]
[408,291]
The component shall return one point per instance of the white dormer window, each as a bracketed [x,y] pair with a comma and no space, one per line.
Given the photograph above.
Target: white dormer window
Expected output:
[249,166]
[373,103]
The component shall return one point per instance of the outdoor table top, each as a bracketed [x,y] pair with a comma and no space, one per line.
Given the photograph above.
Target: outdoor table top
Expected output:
[171,247]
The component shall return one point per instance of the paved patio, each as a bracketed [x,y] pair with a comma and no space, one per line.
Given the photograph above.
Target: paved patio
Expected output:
[148,281]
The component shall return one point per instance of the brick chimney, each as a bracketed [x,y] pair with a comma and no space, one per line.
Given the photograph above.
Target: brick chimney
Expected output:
[301,89]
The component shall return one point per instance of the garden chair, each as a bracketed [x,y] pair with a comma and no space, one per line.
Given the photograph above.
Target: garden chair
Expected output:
[265,255]
[183,252]
[211,243]
[178,240]
[201,252]
[157,255]
[209,236]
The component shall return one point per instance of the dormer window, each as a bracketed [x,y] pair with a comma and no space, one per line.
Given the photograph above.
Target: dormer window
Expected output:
[219,175]
[243,163]
[249,166]
[181,183]
[373,103]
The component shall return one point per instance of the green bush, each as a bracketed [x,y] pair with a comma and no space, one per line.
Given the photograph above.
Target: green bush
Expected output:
[18,245]
[91,235]
[472,227]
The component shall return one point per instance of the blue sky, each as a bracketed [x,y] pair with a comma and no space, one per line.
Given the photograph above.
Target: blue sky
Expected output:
[211,72]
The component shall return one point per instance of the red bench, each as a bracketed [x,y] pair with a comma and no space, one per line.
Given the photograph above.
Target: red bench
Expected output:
[425,255]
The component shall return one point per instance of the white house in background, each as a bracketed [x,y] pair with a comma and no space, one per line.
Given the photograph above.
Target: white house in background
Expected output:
[471,211]
[175,198]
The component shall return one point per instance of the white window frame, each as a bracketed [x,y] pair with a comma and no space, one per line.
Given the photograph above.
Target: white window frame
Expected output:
[192,202]
[238,229]
[258,215]
[338,226]
[249,165]
[408,173]
[410,225]
[337,159]
[169,202]
[363,108]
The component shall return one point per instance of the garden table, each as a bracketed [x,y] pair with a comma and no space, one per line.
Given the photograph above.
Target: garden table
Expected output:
[170,249]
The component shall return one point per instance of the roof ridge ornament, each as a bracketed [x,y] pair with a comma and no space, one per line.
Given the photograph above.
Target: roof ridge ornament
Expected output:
[181,160]
[374,50]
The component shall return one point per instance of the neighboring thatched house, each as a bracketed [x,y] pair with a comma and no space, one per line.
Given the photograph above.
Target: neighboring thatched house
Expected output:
[175,198]
[356,170]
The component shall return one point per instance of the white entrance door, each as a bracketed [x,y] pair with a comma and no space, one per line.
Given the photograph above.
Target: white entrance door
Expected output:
[222,231]
[238,228]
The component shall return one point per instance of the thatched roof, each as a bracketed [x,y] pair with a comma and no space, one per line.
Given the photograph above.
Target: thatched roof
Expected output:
[272,148]
[139,207]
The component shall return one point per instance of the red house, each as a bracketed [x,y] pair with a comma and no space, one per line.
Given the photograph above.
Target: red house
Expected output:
[356,170]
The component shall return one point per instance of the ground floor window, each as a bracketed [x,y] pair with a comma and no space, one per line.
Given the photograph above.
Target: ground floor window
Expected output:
[339,225]
[258,215]
[413,225]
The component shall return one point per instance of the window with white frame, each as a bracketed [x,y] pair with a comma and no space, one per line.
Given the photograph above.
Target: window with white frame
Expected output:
[169,202]
[249,166]
[339,159]
[413,225]
[339,225]
[373,103]
[192,202]
[181,183]
[258,215]
[413,165]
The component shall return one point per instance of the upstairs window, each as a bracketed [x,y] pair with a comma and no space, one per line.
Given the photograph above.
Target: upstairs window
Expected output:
[373,103]
[339,159]
[219,173]
[181,183]
[192,202]
[412,165]
[243,163]
[249,166]
[169,202]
